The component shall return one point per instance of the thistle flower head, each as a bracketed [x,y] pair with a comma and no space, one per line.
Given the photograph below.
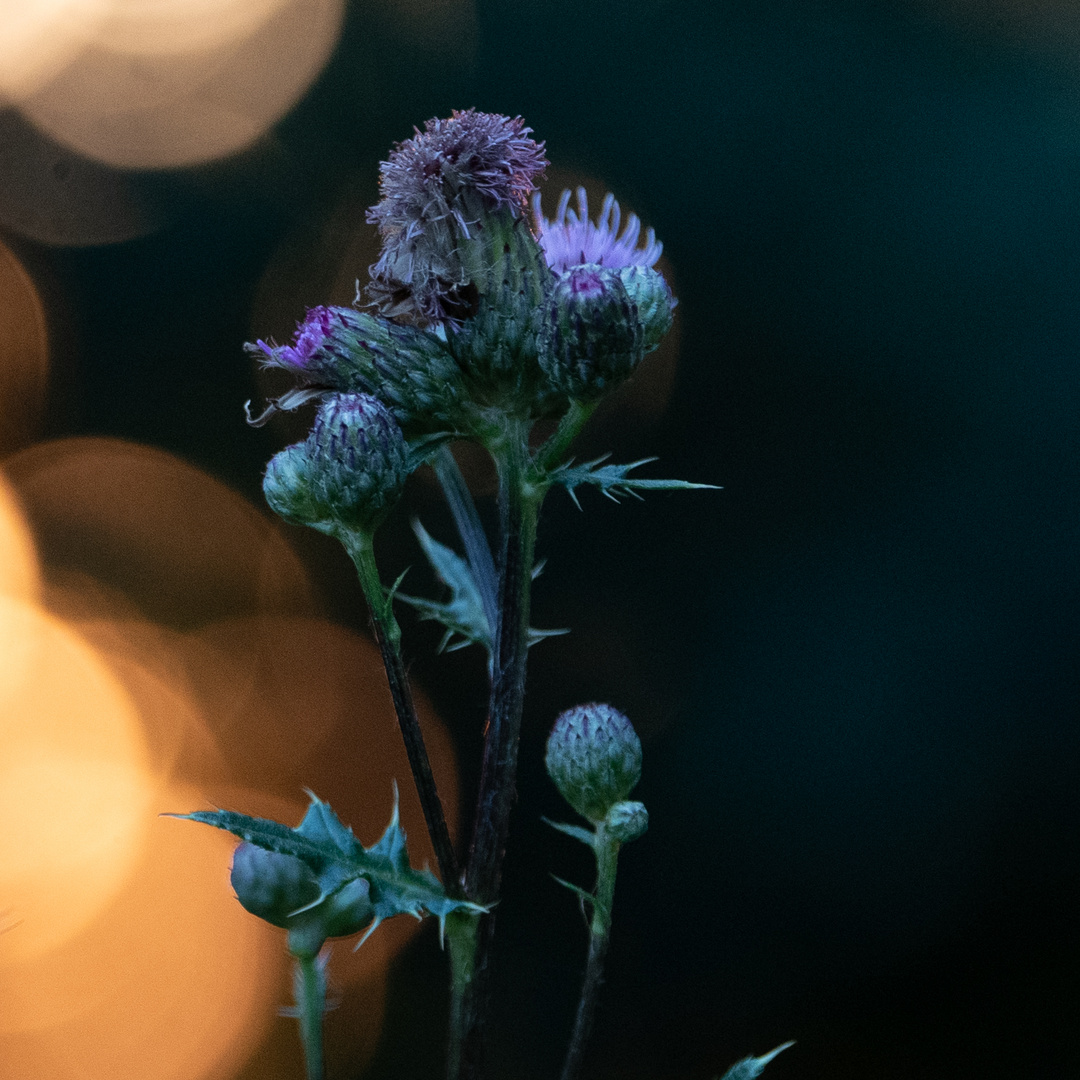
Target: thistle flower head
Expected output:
[309,337]
[439,190]
[594,758]
[571,239]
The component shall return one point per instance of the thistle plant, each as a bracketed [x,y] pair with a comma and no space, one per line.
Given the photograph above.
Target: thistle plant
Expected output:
[482,319]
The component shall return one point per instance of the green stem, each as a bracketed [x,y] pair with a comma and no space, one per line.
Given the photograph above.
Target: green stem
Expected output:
[554,450]
[461,928]
[388,634]
[607,855]
[519,506]
[309,987]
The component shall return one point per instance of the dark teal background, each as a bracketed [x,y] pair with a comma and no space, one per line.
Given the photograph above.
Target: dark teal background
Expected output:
[857,667]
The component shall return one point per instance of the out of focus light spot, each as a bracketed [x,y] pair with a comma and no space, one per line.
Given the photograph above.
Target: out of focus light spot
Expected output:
[52,195]
[174,981]
[24,354]
[178,544]
[38,37]
[161,27]
[184,91]
[19,576]
[74,789]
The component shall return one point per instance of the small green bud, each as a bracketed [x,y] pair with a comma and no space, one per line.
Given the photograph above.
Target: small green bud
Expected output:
[359,460]
[594,758]
[591,338]
[280,888]
[348,472]
[626,821]
[651,294]
[288,490]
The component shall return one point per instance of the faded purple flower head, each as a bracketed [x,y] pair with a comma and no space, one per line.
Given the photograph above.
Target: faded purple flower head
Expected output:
[489,153]
[437,188]
[309,337]
[572,239]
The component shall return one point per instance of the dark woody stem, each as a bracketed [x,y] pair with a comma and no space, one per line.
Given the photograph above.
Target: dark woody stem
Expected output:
[388,634]
[519,505]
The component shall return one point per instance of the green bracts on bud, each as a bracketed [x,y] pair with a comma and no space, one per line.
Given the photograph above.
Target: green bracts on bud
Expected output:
[349,471]
[626,821]
[594,758]
[283,891]
[591,338]
[651,295]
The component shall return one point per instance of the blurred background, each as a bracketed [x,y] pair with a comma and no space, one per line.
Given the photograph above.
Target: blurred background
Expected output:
[855,669]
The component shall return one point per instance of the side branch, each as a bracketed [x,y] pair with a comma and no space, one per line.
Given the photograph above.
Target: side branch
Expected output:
[388,635]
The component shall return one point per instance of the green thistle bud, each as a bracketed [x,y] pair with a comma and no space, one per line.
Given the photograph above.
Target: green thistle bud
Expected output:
[594,758]
[282,890]
[651,294]
[591,338]
[348,472]
[626,821]
[288,490]
[358,459]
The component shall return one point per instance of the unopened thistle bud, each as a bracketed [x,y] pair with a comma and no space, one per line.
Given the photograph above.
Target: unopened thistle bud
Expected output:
[591,338]
[349,471]
[282,890]
[359,460]
[594,758]
[626,821]
[651,295]
[288,488]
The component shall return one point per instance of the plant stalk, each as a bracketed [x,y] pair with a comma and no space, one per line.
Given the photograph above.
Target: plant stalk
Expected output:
[388,634]
[607,855]
[519,505]
[309,988]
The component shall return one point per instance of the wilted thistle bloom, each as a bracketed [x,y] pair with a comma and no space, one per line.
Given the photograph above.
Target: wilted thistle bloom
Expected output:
[571,239]
[451,196]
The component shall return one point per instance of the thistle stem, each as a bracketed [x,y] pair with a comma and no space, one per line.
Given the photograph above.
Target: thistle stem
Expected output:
[607,855]
[554,450]
[309,988]
[519,505]
[388,635]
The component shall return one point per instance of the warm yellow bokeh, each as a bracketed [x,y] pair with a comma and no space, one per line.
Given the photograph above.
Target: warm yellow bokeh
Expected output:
[177,89]
[173,981]
[38,38]
[24,353]
[74,787]
[177,544]
[20,576]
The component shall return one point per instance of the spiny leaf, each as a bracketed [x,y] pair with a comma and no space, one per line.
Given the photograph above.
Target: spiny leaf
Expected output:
[615,480]
[586,836]
[463,613]
[752,1067]
[336,857]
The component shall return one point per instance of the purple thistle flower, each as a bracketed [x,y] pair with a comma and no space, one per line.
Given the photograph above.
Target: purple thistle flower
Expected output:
[571,239]
[440,189]
[309,336]
[490,153]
